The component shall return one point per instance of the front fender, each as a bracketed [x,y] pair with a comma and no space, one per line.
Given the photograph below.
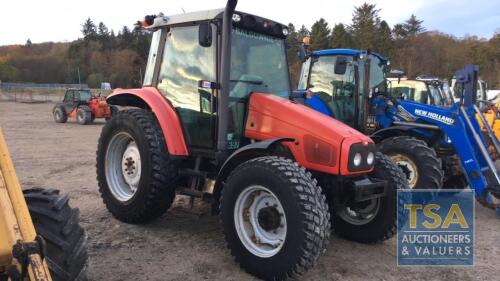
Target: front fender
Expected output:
[150,97]
[241,155]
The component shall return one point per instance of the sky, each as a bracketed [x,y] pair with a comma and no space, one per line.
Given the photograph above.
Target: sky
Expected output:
[58,20]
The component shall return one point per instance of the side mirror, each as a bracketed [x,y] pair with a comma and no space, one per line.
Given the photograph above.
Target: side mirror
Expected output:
[205,34]
[341,65]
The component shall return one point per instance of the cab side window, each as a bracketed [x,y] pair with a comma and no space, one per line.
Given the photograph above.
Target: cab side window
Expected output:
[184,64]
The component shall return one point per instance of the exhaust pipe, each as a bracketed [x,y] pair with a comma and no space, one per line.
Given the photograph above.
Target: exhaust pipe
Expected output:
[224,75]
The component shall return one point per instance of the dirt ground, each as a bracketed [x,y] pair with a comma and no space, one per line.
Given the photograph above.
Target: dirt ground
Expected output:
[182,245]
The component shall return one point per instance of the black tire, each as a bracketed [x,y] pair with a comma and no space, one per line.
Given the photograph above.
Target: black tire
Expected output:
[84,115]
[454,174]
[306,213]
[383,225]
[114,111]
[58,224]
[430,175]
[156,190]
[59,113]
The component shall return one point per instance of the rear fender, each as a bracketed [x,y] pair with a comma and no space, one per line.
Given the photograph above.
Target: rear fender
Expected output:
[247,152]
[150,98]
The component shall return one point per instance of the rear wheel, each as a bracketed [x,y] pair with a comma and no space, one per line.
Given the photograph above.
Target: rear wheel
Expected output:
[419,162]
[84,115]
[59,113]
[65,239]
[372,220]
[275,219]
[136,176]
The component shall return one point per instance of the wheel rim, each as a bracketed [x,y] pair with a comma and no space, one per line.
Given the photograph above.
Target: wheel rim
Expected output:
[80,116]
[260,221]
[409,168]
[360,214]
[58,115]
[123,166]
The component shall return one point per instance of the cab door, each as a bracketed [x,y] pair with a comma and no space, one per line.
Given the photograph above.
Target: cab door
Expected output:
[69,100]
[184,64]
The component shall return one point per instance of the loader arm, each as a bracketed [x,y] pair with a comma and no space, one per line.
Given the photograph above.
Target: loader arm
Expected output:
[15,222]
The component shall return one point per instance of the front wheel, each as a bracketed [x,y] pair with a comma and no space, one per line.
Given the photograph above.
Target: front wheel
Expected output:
[372,220]
[84,115]
[59,113]
[65,239]
[135,173]
[418,161]
[275,219]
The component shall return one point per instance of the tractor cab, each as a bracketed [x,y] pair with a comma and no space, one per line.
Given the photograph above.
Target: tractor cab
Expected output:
[205,74]
[343,81]
[75,97]
[426,92]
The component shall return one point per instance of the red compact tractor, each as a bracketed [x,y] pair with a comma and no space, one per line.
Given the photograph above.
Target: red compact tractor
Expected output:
[82,106]
[215,119]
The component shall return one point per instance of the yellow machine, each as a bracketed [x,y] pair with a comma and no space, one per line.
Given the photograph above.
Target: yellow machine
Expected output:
[57,251]
[491,117]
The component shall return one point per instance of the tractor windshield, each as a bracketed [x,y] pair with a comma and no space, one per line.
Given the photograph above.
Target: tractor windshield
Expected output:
[85,95]
[258,64]
[415,90]
[336,89]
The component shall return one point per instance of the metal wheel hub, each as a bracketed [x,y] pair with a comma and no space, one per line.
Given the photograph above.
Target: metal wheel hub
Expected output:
[131,165]
[409,168]
[123,166]
[260,221]
[360,213]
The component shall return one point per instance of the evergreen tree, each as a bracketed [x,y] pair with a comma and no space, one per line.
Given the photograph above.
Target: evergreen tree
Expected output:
[320,35]
[340,37]
[89,30]
[413,26]
[365,24]
[384,39]
[28,43]
[303,32]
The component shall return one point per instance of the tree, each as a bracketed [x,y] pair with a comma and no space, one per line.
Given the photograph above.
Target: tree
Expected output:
[365,24]
[320,33]
[413,26]
[89,30]
[384,39]
[28,43]
[303,32]
[340,37]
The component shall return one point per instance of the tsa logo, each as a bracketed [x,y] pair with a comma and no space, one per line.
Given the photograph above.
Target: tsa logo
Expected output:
[435,228]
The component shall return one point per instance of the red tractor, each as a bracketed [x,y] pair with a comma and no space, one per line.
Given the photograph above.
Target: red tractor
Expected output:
[215,119]
[81,105]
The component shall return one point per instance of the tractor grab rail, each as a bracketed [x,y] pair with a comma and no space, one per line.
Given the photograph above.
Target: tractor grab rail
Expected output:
[491,134]
[483,149]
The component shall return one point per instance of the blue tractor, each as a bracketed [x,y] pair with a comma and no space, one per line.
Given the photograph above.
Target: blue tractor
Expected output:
[426,141]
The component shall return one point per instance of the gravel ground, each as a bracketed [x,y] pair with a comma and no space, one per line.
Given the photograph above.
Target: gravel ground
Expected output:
[183,245]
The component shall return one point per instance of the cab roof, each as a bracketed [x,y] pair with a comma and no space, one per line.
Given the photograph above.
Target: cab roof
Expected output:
[199,16]
[187,17]
[345,52]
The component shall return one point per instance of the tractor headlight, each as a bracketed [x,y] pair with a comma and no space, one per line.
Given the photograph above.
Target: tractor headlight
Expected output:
[370,158]
[361,157]
[357,159]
